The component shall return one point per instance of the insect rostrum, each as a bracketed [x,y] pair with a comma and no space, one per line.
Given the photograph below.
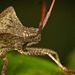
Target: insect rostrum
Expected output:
[13,36]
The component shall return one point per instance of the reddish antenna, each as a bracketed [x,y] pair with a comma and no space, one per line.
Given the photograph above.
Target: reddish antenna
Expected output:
[43,14]
[44,18]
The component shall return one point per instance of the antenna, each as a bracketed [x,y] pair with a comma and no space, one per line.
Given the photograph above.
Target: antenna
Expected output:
[44,18]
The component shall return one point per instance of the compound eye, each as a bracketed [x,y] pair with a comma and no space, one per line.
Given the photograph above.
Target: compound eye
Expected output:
[31,37]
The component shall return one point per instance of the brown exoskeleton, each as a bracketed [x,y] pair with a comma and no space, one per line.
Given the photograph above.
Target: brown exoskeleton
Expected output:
[15,36]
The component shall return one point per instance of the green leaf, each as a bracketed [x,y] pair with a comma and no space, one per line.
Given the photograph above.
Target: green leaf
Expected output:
[30,65]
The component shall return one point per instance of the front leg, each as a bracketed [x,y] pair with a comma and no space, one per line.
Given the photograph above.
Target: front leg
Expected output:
[41,51]
[4,69]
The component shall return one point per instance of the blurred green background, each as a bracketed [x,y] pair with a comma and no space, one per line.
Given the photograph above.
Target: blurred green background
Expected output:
[59,34]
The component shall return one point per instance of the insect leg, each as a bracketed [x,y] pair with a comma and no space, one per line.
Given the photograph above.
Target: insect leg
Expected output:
[56,56]
[4,69]
[41,51]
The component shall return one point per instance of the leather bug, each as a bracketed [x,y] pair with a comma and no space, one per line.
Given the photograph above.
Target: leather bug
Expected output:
[15,36]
